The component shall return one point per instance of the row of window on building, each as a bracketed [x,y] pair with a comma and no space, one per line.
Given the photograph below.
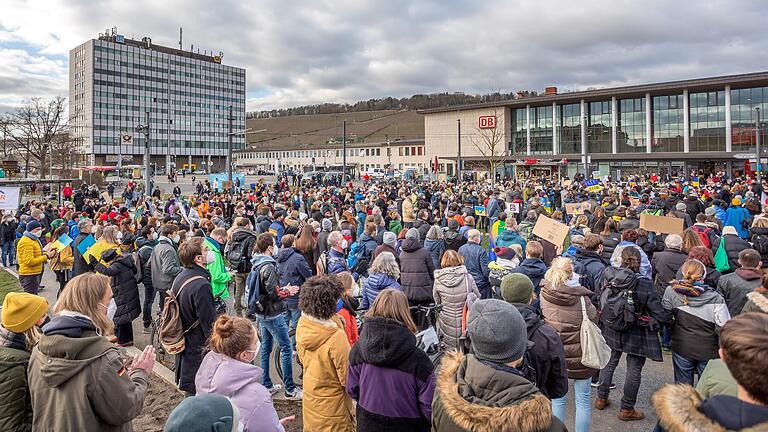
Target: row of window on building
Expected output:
[359,152]
[707,131]
[128,53]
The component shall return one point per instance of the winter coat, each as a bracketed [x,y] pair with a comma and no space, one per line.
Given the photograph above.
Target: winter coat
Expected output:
[245,238]
[125,290]
[508,238]
[452,285]
[241,383]
[639,340]
[476,262]
[416,272]
[8,232]
[628,223]
[680,408]
[590,265]
[735,286]
[735,218]
[165,264]
[391,379]
[534,268]
[408,214]
[609,244]
[78,380]
[15,405]
[561,307]
[436,248]
[547,354]
[757,301]
[645,264]
[293,270]
[323,350]
[665,265]
[422,227]
[733,245]
[268,286]
[698,320]
[220,277]
[716,380]
[475,396]
[29,255]
[375,284]
[453,240]
[337,263]
[347,308]
[195,303]
[277,229]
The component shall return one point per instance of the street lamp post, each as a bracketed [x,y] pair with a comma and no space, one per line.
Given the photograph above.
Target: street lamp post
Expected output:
[145,128]
[757,144]
[458,157]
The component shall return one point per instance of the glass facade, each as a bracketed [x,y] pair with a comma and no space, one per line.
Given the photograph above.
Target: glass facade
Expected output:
[519,136]
[668,124]
[630,129]
[569,129]
[541,130]
[599,127]
[707,121]
[744,115]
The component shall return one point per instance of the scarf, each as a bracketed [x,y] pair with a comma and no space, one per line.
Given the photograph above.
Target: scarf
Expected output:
[11,339]
[689,289]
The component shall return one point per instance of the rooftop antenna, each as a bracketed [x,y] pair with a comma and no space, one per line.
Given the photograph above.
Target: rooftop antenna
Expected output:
[181,32]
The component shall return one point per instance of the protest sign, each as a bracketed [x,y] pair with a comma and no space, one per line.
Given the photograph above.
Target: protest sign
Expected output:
[85,244]
[577,208]
[661,224]
[105,196]
[634,201]
[65,240]
[513,207]
[480,210]
[566,183]
[550,230]
[9,198]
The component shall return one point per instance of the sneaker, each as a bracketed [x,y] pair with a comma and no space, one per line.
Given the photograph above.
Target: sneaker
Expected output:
[597,384]
[274,389]
[631,415]
[295,395]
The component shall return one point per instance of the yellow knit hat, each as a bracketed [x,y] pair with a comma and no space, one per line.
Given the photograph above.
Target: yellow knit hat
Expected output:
[22,310]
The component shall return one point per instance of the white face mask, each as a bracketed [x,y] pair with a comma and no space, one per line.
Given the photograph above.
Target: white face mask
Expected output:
[344,244]
[36,234]
[154,236]
[111,309]
[176,238]
[210,257]
[119,236]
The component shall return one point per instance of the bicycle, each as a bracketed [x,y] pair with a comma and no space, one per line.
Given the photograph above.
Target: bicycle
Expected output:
[427,338]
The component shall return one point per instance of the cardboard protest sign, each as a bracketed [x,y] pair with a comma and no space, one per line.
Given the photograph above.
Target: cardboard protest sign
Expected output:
[577,208]
[634,201]
[105,196]
[661,224]
[550,230]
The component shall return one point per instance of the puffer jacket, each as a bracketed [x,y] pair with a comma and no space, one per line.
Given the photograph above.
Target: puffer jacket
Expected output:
[435,249]
[416,272]
[323,349]
[241,382]
[609,244]
[476,261]
[391,379]
[78,380]
[375,284]
[293,270]
[561,307]
[15,405]
[698,320]
[29,255]
[125,290]
[452,286]
[757,301]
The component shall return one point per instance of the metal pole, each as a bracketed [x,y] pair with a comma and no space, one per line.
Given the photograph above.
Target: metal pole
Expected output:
[757,144]
[458,158]
[147,190]
[344,151]
[119,156]
[229,148]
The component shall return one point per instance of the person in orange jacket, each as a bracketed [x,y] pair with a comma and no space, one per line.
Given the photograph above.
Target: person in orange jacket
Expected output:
[348,305]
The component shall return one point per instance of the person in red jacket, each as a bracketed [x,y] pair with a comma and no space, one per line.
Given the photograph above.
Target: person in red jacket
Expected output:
[347,306]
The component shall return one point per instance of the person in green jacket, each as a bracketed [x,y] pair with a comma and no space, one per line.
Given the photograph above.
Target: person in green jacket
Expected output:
[22,312]
[716,380]
[219,275]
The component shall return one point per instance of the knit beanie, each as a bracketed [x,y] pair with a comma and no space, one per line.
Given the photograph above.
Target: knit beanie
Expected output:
[390,239]
[33,225]
[327,225]
[22,310]
[204,413]
[516,288]
[497,331]
[412,233]
[680,207]
[504,252]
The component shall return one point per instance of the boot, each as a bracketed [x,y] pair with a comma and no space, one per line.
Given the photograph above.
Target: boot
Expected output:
[601,404]
[631,415]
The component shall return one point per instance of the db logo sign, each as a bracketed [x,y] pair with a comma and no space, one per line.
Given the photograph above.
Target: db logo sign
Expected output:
[486,122]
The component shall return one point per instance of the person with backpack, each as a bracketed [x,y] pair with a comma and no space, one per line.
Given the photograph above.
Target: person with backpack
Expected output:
[630,316]
[192,298]
[547,356]
[589,263]
[239,251]
[735,286]
[727,248]
[165,261]
[266,301]
[361,252]
[705,233]
[145,244]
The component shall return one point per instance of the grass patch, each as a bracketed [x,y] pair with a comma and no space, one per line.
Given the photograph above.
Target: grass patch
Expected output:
[8,283]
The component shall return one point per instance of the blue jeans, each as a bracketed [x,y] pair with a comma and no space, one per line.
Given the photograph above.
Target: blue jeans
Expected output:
[276,328]
[9,254]
[582,389]
[292,318]
[685,368]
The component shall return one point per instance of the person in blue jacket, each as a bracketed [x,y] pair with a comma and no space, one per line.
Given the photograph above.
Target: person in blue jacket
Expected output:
[738,217]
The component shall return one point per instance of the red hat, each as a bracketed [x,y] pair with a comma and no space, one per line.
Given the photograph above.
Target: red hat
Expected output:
[504,252]
[103,217]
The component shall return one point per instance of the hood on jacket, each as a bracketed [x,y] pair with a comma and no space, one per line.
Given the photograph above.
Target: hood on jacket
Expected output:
[284,254]
[508,235]
[533,267]
[432,245]
[451,276]
[563,295]
[380,281]
[680,408]
[451,236]
[620,278]
[410,245]
[477,397]
[385,342]
[69,344]
[759,299]
[531,316]
[749,274]
[262,259]
[587,257]
[224,375]
[241,233]
[316,332]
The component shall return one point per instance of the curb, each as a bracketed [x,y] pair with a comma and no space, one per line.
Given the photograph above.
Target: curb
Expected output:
[161,371]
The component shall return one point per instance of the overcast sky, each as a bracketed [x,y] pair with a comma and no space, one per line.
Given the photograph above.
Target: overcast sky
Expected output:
[302,52]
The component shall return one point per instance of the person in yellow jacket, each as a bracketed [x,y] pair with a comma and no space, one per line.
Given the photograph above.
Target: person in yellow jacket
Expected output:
[323,349]
[29,252]
[110,239]
[61,260]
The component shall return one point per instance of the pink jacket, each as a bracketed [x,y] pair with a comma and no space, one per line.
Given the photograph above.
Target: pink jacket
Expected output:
[241,382]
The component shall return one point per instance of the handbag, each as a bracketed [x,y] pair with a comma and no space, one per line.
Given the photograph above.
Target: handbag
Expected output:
[595,353]
[721,257]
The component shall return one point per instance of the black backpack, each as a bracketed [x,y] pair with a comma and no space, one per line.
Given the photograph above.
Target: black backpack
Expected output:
[617,299]
[237,256]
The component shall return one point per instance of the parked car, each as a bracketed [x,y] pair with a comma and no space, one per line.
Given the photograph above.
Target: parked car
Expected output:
[377,173]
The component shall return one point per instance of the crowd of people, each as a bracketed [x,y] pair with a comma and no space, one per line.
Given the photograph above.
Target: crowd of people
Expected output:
[348,281]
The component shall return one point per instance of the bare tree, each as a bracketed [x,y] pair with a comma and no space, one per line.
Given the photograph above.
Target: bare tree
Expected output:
[489,141]
[35,127]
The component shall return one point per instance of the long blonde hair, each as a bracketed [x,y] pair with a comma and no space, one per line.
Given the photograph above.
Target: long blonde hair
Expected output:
[560,272]
[82,295]
[393,304]
[109,234]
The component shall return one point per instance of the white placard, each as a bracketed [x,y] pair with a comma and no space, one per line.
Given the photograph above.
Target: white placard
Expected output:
[9,197]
